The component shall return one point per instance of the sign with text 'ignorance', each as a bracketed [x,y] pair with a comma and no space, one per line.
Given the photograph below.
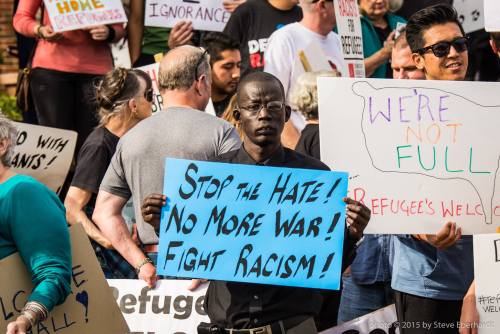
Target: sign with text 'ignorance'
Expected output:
[168,308]
[244,223]
[486,274]
[420,153]
[44,153]
[77,14]
[89,308]
[207,15]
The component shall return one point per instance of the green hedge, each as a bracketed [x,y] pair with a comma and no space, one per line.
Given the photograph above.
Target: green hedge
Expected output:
[9,108]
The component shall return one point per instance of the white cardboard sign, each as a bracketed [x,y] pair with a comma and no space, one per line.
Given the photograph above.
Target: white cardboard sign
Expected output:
[207,15]
[492,15]
[419,153]
[486,273]
[349,30]
[169,308]
[378,322]
[44,153]
[77,14]
[470,14]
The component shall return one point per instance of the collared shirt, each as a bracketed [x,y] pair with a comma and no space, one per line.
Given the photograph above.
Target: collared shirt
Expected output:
[246,305]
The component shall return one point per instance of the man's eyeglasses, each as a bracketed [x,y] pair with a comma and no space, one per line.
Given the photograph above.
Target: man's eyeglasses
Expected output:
[271,106]
[148,95]
[442,49]
[198,63]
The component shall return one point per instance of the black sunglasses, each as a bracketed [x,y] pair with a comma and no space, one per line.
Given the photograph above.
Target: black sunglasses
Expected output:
[198,63]
[148,95]
[442,49]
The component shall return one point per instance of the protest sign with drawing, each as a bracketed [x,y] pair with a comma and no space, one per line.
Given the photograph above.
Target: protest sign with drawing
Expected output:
[207,15]
[349,30]
[256,224]
[492,15]
[90,308]
[168,308]
[67,15]
[486,275]
[420,153]
[470,14]
[383,321]
[44,153]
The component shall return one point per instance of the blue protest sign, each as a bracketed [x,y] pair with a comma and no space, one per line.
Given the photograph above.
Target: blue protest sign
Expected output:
[247,223]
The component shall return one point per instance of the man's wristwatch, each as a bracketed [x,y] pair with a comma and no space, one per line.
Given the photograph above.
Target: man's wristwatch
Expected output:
[142,263]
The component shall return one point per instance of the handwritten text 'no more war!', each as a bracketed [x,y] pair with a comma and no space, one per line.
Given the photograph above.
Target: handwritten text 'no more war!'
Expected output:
[434,133]
[268,227]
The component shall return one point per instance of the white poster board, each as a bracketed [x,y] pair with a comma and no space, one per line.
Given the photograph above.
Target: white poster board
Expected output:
[72,15]
[89,308]
[419,153]
[492,15]
[153,71]
[44,153]
[169,308]
[487,276]
[379,322]
[470,14]
[207,15]
[349,30]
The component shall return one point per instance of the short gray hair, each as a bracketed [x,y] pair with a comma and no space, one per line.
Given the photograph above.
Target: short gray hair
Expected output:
[304,95]
[7,132]
[180,72]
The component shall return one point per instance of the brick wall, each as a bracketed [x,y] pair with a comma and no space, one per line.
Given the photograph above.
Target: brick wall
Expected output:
[7,37]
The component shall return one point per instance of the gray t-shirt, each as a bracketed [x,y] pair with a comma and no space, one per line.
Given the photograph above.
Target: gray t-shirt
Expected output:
[137,168]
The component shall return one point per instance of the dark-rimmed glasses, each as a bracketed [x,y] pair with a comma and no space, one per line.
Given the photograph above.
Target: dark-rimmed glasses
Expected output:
[271,106]
[442,49]
[198,63]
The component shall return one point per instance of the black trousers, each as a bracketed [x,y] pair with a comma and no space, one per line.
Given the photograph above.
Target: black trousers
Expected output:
[425,315]
[65,100]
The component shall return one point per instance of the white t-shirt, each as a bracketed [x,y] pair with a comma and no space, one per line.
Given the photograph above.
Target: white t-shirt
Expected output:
[282,56]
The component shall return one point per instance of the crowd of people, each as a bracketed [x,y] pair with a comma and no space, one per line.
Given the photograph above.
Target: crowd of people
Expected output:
[266,113]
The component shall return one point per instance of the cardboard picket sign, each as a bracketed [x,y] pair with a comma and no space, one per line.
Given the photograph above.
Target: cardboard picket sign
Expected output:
[492,15]
[68,15]
[44,153]
[470,14]
[349,30]
[90,308]
[254,224]
[168,308]
[208,15]
[378,322]
[420,152]
[486,274]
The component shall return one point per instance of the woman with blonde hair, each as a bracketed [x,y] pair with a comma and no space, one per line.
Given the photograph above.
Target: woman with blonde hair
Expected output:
[124,98]
[32,224]
[304,98]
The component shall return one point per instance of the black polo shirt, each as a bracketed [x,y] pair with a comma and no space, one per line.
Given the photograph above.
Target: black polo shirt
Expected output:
[246,305]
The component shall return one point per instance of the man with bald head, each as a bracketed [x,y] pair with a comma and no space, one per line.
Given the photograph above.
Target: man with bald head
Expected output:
[180,130]
[246,308]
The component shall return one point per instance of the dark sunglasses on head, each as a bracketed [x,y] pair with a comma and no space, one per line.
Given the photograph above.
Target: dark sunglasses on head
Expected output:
[198,63]
[148,95]
[442,49]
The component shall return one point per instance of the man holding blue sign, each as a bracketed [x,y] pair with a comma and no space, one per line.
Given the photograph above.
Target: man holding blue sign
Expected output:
[244,308]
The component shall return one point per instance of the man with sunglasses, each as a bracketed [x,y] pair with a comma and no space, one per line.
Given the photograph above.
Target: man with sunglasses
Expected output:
[180,130]
[245,308]
[431,273]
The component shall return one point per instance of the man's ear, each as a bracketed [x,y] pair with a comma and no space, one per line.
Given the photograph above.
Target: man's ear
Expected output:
[419,61]
[288,112]
[236,114]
